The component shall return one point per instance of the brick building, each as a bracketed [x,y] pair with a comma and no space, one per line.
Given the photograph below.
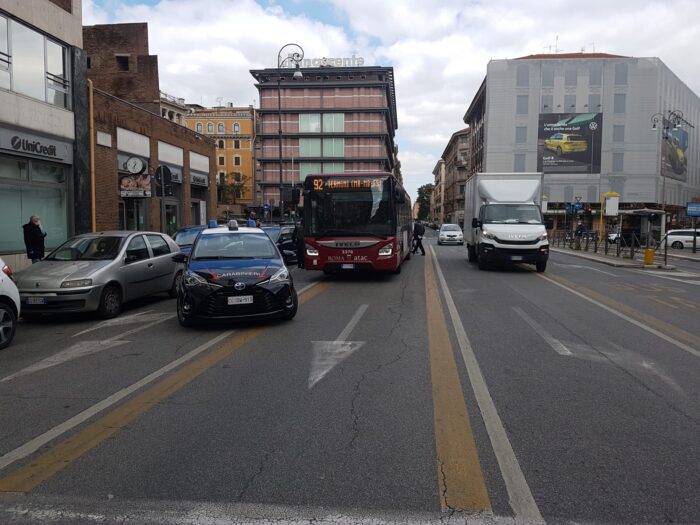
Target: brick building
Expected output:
[233,131]
[133,139]
[334,119]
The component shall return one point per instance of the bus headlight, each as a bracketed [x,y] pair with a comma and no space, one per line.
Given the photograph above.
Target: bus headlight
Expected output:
[311,251]
[386,250]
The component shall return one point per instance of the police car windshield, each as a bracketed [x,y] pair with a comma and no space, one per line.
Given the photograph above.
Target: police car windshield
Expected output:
[234,245]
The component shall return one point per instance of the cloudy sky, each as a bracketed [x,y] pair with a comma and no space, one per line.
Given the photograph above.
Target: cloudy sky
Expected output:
[438,48]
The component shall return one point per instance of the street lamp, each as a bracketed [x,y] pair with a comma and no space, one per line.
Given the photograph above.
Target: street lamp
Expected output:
[292,58]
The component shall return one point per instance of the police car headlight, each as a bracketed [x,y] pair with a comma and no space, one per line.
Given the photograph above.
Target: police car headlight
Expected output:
[280,276]
[386,250]
[193,279]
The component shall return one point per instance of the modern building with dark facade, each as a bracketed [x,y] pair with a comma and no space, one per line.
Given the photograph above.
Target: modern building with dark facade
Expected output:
[334,119]
[138,131]
[44,143]
[592,123]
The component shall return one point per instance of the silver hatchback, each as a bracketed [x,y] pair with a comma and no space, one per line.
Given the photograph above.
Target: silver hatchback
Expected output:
[100,272]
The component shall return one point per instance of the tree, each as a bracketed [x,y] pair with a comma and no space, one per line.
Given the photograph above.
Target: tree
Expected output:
[234,187]
[424,193]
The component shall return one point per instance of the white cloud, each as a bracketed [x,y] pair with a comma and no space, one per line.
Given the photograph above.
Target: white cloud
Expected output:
[439,48]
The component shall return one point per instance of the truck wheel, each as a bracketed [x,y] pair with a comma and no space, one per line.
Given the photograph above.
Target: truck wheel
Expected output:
[541,266]
[481,262]
[471,253]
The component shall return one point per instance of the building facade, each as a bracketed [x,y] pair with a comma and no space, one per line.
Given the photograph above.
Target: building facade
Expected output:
[437,213]
[151,172]
[456,157]
[593,123]
[333,119]
[233,131]
[44,142]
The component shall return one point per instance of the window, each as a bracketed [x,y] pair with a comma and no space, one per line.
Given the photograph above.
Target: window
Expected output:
[333,147]
[571,76]
[222,162]
[220,144]
[594,104]
[333,167]
[199,127]
[236,144]
[122,62]
[236,160]
[621,74]
[595,74]
[221,178]
[237,176]
[236,127]
[310,147]
[521,102]
[89,63]
[310,123]
[547,102]
[519,162]
[619,103]
[27,62]
[56,75]
[618,133]
[334,122]
[158,245]
[309,168]
[220,127]
[570,103]
[461,189]
[521,134]
[464,140]
[618,162]
[547,76]
[522,75]
[137,250]
[210,127]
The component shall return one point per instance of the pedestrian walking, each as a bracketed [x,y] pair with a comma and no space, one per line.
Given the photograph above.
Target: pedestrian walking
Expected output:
[418,232]
[251,223]
[34,239]
[578,235]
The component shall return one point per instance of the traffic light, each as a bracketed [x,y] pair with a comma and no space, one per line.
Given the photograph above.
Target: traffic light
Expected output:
[296,195]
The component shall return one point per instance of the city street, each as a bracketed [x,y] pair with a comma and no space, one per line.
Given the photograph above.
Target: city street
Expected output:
[441,393]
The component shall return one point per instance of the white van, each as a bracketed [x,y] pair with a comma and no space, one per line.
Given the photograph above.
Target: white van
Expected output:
[9,306]
[682,238]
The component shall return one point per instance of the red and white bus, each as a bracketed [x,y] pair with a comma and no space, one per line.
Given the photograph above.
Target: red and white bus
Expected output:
[356,221]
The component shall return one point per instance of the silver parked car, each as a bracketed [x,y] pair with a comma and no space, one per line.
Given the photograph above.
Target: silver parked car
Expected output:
[100,272]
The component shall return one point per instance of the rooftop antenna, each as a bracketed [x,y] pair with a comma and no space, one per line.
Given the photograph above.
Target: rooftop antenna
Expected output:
[592,44]
[556,45]
[219,100]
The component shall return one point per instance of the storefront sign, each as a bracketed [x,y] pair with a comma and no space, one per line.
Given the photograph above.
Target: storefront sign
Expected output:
[199,179]
[36,146]
[327,62]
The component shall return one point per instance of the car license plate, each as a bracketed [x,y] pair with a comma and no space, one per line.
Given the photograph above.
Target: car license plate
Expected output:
[347,266]
[36,300]
[243,299]
[516,257]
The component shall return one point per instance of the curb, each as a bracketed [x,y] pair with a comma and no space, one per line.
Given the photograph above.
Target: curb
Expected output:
[598,259]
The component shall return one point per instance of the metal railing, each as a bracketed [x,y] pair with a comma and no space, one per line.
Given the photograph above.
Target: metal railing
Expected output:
[626,245]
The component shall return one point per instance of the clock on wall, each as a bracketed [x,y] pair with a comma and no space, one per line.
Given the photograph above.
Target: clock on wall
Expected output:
[135,165]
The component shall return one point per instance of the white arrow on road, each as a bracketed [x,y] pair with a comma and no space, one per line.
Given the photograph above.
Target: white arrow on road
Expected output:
[327,354]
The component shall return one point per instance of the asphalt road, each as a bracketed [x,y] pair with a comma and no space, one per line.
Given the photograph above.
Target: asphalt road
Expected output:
[440,394]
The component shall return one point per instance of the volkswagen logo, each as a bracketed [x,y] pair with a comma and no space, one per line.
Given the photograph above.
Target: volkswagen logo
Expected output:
[239,286]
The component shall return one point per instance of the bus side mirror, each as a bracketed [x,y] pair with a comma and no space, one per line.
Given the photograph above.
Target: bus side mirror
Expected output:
[399,197]
[296,195]
[476,223]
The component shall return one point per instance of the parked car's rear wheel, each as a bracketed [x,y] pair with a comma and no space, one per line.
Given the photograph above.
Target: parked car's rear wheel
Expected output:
[8,325]
[677,245]
[110,302]
[176,285]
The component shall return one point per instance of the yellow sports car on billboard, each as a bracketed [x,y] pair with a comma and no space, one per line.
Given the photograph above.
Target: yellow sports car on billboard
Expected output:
[564,143]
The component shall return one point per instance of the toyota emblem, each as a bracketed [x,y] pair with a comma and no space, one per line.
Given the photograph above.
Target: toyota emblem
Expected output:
[239,286]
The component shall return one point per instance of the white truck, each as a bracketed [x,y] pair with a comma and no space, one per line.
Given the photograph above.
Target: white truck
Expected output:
[503,219]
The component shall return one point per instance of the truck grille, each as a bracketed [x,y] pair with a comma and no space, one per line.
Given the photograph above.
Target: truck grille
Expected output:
[516,243]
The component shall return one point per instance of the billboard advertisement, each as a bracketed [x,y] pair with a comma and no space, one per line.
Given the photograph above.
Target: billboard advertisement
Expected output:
[674,151]
[569,142]
[134,185]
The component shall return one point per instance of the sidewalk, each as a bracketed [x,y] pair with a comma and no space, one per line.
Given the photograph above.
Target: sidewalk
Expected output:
[612,260]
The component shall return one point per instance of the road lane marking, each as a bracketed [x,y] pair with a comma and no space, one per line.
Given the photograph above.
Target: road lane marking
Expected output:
[580,266]
[61,455]
[617,309]
[140,317]
[460,478]
[661,301]
[83,349]
[552,341]
[684,281]
[328,354]
[519,493]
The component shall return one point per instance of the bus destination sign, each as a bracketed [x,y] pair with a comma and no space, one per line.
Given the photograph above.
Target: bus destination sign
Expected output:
[349,184]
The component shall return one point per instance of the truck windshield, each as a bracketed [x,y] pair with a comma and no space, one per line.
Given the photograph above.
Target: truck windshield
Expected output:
[512,214]
[366,211]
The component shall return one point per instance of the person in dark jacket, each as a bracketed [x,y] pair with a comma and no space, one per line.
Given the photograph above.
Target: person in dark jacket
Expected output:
[578,235]
[34,239]
[418,232]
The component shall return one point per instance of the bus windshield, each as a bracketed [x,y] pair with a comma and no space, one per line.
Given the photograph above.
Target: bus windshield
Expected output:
[340,209]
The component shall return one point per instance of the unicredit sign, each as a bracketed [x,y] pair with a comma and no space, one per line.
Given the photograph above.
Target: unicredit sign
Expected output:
[32,146]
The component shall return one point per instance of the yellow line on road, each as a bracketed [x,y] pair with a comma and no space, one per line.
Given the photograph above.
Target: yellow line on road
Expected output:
[42,468]
[460,478]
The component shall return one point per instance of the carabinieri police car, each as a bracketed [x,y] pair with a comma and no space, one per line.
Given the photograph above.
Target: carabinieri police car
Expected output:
[235,274]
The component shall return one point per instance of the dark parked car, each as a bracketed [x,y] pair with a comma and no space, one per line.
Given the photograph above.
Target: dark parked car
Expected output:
[285,237]
[234,274]
[185,237]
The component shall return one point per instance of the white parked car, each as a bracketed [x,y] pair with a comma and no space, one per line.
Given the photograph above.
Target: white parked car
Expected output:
[9,306]
[682,238]
[450,234]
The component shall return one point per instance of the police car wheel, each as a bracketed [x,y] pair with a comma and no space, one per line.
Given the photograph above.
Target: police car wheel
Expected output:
[184,321]
[176,284]
[295,307]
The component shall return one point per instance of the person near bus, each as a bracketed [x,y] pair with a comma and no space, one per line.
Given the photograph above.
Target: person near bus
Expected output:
[418,232]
